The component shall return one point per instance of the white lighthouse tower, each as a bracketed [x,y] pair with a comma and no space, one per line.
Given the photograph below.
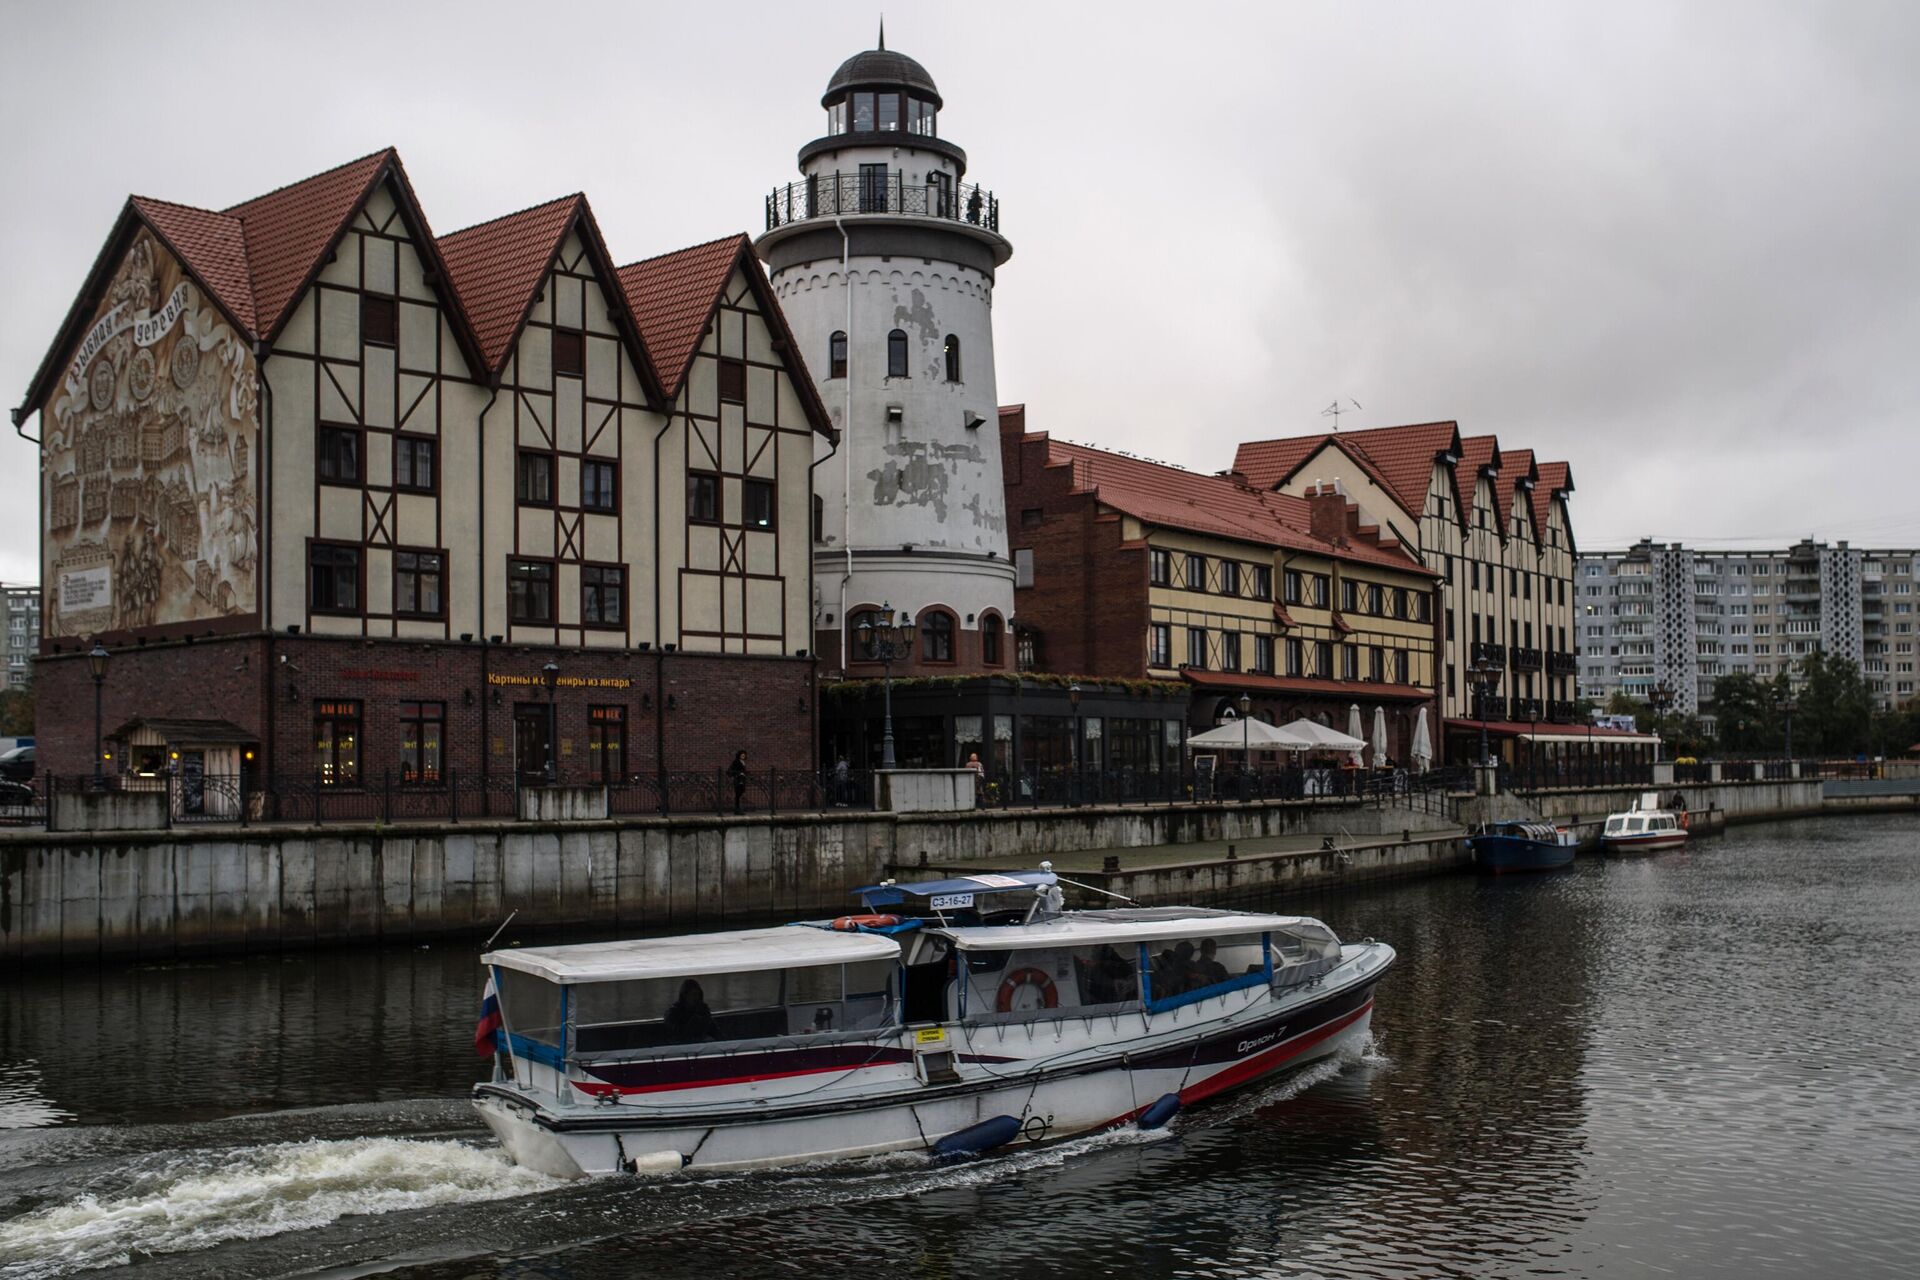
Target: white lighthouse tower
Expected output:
[883,257]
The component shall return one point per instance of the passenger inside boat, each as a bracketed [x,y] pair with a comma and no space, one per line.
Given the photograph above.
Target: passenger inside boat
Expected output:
[688,1016]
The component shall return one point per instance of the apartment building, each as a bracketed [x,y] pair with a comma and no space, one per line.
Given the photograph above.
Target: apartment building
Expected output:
[22,635]
[1664,613]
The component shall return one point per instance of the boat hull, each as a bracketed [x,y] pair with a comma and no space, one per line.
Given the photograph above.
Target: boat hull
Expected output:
[1050,1101]
[1650,842]
[1497,854]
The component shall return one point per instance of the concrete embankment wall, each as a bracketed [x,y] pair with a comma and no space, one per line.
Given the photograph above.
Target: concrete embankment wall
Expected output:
[117,895]
[156,894]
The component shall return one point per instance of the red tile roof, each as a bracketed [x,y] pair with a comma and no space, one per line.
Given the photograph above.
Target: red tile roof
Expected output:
[213,246]
[1400,459]
[496,267]
[1555,478]
[1266,463]
[1168,496]
[673,297]
[257,259]
[1515,465]
[289,232]
[1476,454]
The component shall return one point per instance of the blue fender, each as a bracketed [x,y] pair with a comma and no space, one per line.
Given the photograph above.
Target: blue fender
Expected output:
[976,1138]
[1161,1110]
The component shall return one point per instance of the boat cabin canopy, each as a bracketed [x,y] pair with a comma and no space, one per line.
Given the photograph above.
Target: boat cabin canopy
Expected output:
[694,955]
[1097,928]
[654,994]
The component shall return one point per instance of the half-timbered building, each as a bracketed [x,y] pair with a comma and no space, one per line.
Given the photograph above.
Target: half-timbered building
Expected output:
[350,500]
[1494,524]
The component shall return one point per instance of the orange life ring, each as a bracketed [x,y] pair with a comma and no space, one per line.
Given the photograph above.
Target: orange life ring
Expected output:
[848,924]
[1035,978]
[1683,819]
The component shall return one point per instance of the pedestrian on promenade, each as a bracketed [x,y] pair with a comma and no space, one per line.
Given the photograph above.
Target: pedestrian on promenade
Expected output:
[979,780]
[738,772]
[842,782]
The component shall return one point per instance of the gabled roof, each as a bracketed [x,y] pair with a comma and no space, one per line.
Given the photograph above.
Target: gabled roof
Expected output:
[673,299]
[289,232]
[1170,497]
[1555,480]
[1480,455]
[213,247]
[257,259]
[1266,463]
[497,267]
[1516,466]
[1401,458]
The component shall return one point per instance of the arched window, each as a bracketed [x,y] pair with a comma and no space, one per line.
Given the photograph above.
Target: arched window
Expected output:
[897,354]
[837,354]
[991,631]
[936,636]
[953,358]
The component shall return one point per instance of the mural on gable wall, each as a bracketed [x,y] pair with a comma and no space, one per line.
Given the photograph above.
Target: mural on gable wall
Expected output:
[146,463]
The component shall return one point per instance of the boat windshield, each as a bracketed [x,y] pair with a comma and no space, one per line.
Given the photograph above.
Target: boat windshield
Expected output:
[666,1012]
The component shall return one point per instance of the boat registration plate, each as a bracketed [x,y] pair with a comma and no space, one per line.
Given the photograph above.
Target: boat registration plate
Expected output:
[951,901]
[930,1035]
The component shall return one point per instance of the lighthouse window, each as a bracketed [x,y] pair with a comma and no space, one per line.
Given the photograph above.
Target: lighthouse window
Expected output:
[953,358]
[863,113]
[936,636]
[889,113]
[837,354]
[897,354]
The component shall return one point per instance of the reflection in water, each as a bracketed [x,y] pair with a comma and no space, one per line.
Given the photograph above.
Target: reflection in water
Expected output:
[1699,1065]
[23,1100]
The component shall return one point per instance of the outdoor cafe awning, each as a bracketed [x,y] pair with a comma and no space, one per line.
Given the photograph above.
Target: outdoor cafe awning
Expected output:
[1537,732]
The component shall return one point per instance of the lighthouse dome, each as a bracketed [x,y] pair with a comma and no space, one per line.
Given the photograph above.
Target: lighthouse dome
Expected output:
[880,69]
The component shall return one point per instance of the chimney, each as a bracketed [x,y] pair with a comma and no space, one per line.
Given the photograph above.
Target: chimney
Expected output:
[1328,514]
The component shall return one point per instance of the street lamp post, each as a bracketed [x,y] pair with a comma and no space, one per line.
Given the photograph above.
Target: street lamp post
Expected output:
[1788,707]
[97,664]
[886,644]
[1483,675]
[1246,745]
[550,676]
[1079,746]
[1660,697]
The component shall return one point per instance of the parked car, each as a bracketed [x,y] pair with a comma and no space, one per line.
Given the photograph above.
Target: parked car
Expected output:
[17,764]
[16,795]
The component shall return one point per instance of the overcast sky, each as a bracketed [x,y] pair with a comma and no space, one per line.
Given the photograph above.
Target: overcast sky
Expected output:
[1677,245]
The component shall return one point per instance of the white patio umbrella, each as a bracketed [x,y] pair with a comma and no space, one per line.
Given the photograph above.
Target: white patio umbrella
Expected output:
[1379,736]
[1355,732]
[1422,752]
[1322,737]
[1252,732]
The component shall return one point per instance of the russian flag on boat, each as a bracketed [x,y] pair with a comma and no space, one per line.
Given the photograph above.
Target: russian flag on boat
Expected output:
[489,1019]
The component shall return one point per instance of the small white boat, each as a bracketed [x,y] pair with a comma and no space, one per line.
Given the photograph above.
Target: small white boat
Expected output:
[1645,828]
[992,1019]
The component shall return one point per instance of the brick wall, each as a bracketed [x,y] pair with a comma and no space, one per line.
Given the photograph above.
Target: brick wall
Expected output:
[1088,601]
[269,685]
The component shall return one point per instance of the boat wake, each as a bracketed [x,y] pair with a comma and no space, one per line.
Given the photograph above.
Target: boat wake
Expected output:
[194,1200]
[79,1199]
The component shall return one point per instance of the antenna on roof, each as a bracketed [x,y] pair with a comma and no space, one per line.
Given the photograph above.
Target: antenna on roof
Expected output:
[883,33]
[1334,411]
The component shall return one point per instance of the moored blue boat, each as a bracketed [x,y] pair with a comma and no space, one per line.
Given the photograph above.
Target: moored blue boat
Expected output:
[1522,846]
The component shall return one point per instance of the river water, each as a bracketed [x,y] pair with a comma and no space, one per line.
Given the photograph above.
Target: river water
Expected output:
[1697,1064]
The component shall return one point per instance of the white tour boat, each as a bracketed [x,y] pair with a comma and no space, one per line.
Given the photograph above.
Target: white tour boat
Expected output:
[1645,828]
[990,1018]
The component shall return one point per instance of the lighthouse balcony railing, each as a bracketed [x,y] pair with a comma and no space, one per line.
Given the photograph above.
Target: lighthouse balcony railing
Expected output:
[829,195]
